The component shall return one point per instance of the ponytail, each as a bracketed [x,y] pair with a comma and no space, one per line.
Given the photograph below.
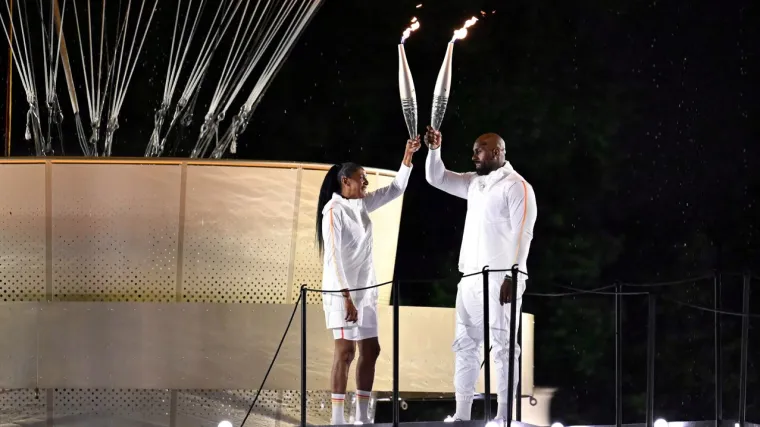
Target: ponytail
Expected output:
[330,185]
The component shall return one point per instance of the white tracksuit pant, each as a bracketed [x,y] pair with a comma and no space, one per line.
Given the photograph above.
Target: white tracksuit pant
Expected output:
[469,336]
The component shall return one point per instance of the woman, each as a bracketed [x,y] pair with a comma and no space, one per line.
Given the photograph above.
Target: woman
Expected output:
[344,237]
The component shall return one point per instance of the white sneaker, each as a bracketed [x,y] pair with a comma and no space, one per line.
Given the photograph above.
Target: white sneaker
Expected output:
[498,422]
[451,419]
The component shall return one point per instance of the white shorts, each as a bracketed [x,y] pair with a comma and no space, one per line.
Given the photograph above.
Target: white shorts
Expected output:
[358,333]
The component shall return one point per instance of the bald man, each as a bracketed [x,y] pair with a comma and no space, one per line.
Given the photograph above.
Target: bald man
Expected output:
[498,229]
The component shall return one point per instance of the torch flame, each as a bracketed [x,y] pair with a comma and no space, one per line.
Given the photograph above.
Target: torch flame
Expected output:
[408,32]
[462,32]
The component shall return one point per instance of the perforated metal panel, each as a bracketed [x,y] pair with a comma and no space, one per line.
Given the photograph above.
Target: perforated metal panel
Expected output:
[209,407]
[318,407]
[115,232]
[19,344]
[201,408]
[24,405]
[22,233]
[238,225]
[307,264]
[140,405]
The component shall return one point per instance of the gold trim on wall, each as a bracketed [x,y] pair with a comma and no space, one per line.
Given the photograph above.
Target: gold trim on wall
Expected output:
[180,161]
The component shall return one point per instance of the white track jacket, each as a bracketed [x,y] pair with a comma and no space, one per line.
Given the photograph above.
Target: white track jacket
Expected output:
[347,234]
[501,213]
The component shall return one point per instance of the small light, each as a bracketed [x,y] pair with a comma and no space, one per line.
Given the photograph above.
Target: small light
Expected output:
[660,423]
[557,425]
[225,423]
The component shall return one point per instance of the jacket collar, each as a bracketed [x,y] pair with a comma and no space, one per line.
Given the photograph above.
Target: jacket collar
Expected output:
[493,178]
[337,199]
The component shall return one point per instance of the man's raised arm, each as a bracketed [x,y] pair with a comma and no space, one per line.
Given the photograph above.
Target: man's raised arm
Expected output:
[436,173]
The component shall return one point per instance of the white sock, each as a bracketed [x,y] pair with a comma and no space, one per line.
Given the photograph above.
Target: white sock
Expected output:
[464,408]
[362,398]
[338,401]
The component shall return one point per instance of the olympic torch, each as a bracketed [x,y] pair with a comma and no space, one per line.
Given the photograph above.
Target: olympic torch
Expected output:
[406,84]
[442,88]
[443,82]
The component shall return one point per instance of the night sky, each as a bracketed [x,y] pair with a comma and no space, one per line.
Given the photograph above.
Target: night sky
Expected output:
[632,120]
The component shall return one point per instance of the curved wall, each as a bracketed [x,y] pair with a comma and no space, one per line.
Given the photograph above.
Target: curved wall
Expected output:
[192,232]
[129,280]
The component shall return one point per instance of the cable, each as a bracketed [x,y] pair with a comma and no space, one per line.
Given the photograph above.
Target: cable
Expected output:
[593,291]
[565,294]
[350,290]
[25,66]
[576,291]
[673,283]
[507,271]
[123,80]
[271,364]
[711,310]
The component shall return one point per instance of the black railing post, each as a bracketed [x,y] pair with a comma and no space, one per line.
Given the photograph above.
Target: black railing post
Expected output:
[744,350]
[395,353]
[512,340]
[718,306]
[618,357]
[651,335]
[486,347]
[518,410]
[303,356]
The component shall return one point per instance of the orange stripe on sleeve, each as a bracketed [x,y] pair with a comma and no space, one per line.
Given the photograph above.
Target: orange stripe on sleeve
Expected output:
[335,262]
[522,223]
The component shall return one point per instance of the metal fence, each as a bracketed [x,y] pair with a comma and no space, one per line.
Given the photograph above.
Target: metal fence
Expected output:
[653,293]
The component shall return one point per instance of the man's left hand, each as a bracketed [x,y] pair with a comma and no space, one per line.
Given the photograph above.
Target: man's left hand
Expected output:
[505,296]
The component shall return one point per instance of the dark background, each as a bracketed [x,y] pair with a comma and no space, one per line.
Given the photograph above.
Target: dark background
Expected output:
[633,120]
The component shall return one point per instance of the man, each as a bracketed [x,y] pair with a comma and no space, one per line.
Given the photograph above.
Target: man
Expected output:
[501,213]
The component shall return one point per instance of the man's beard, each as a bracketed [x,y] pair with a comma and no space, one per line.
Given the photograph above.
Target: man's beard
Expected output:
[483,169]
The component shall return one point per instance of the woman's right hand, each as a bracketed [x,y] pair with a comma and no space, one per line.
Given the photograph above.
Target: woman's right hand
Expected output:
[412,145]
[352,314]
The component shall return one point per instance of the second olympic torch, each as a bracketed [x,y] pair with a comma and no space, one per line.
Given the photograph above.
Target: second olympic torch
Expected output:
[443,82]
[442,88]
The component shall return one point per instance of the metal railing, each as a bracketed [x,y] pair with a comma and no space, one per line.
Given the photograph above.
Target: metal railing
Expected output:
[650,290]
